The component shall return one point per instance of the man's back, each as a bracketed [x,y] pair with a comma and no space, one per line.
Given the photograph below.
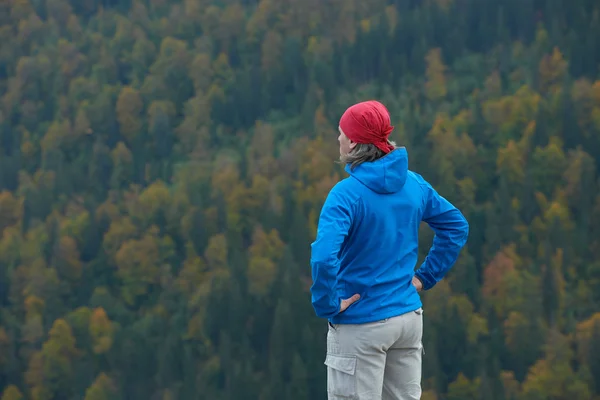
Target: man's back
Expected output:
[376,214]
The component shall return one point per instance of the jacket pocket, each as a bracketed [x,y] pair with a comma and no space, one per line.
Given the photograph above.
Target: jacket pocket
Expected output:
[341,379]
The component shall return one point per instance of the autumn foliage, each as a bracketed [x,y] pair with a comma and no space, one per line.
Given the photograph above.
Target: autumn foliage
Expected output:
[163,164]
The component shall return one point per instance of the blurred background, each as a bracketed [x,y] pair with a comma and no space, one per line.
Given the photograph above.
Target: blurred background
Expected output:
[163,164]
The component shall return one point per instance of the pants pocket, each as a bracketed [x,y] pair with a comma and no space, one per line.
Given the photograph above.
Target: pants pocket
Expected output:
[341,379]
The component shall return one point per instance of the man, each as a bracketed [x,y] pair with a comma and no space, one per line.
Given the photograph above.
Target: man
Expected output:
[363,262]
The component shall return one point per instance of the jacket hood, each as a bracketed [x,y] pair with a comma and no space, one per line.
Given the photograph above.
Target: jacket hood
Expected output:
[385,175]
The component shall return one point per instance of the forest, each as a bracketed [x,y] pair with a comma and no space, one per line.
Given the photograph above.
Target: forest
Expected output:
[163,164]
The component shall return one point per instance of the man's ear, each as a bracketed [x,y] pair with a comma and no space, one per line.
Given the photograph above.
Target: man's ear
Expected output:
[352,144]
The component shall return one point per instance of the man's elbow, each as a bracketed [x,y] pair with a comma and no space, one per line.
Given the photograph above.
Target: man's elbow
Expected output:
[465,228]
[462,231]
[320,313]
[322,308]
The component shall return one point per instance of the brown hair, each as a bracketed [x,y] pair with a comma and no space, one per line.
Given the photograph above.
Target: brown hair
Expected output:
[363,153]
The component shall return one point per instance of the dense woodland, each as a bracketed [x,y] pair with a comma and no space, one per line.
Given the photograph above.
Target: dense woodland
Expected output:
[163,165]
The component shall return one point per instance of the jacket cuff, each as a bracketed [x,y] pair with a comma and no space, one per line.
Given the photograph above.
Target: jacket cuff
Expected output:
[425,279]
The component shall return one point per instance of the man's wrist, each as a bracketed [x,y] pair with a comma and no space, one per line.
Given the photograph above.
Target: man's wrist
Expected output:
[422,279]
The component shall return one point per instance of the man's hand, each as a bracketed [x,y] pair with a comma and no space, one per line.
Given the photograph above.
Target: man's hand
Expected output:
[417,283]
[348,302]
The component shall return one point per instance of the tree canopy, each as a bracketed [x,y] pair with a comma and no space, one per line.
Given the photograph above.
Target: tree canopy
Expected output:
[163,164]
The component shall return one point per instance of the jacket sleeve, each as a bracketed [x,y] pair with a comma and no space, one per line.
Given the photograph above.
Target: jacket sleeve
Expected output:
[451,231]
[334,223]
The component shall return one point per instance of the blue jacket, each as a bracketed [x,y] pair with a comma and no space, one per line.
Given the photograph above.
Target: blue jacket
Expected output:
[367,241]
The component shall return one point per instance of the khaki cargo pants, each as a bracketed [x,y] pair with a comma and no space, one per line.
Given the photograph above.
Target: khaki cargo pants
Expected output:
[376,361]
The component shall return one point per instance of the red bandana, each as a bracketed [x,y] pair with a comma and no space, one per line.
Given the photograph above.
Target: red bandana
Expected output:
[368,123]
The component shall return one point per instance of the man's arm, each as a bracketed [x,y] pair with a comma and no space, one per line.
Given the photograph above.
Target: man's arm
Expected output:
[451,232]
[334,223]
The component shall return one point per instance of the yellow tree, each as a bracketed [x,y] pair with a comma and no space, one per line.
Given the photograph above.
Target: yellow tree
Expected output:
[54,142]
[429,395]
[10,245]
[51,371]
[265,253]
[138,263]
[101,331]
[72,62]
[171,68]
[463,388]
[435,86]
[194,282]
[75,223]
[266,14]
[119,231]
[103,388]
[522,338]
[11,392]
[552,69]
[315,170]
[129,109]
[151,204]
[226,184]
[510,116]
[201,72]
[553,377]
[33,329]
[193,133]
[510,163]
[193,274]
[452,148]
[256,197]
[548,165]
[584,338]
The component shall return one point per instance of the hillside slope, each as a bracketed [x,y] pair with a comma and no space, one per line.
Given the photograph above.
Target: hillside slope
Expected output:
[163,164]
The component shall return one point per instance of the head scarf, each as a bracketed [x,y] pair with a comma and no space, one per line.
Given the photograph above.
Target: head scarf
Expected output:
[368,122]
